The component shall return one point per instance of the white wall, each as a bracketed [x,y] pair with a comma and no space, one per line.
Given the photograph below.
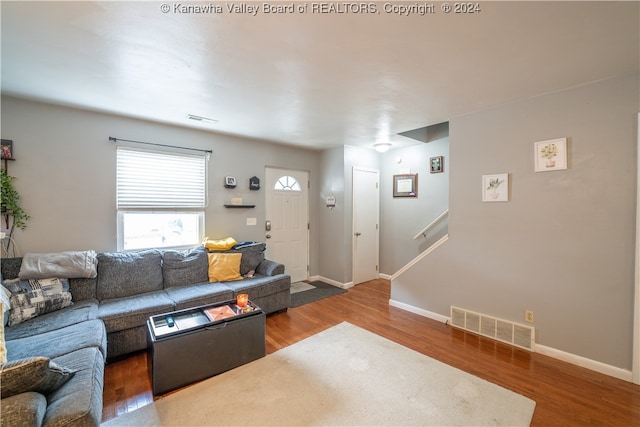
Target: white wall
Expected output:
[563,245]
[66,171]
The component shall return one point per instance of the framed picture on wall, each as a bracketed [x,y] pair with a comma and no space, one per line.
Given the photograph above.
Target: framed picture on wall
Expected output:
[551,155]
[436,164]
[7,149]
[495,188]
[405,185]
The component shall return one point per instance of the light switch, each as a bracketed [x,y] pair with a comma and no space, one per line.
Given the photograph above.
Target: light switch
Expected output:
[252,221]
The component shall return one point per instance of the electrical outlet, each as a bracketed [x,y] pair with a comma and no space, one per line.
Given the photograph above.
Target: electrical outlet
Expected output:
[2,235]
[528,316]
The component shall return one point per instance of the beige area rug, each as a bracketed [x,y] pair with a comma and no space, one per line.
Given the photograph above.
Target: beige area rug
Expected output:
[343,376]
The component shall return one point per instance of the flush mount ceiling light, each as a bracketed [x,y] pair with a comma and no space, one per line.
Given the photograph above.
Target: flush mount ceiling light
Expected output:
[381,147]
[201,119]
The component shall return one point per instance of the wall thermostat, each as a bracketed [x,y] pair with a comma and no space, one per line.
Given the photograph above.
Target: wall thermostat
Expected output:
[229,182]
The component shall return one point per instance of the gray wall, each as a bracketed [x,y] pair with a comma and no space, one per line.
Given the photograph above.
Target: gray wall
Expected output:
[333,262]
[65,171]
[404,217]
[563,246]
[336,261]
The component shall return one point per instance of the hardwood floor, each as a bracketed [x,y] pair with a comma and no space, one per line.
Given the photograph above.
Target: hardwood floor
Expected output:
[565,394]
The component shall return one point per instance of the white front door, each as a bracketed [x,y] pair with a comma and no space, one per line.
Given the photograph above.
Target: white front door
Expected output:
[366,208]
[287,219]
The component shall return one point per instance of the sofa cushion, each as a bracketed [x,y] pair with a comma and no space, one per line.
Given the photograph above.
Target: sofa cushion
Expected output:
[83,289]
[125,313]
[224,267]
[30,298]
[37,374]
[252,255]
[196,295]
[24,409]
[260,286]
[76,313]
[10,268]
[79,401]
[58,342]
[126,274]
[185,267]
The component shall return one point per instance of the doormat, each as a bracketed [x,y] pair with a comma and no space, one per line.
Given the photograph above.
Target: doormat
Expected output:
[318,290]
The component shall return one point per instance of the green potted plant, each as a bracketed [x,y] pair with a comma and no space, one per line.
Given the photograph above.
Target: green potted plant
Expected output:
[10,201]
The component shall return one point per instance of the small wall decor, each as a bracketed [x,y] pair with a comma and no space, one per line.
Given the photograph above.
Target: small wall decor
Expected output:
[254,183]
[495,188]
[436,164]
[230,182]
[7,149]
[551,155]
[405,185]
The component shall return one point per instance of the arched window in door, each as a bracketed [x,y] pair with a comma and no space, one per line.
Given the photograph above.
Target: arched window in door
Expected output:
[287,183]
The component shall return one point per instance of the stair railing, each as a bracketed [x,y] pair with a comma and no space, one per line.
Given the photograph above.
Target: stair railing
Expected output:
[424,231]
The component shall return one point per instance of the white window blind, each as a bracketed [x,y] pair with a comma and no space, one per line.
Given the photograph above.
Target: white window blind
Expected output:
[152,179]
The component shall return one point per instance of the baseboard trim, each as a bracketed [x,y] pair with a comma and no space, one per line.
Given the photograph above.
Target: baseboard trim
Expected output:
[384,276]
[421,312]
[593,365]
[332,282]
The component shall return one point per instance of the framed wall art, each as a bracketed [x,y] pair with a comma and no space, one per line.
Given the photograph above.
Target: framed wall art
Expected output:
[551,155]
[405,185]
[436,164]
[495,188]
[7,149]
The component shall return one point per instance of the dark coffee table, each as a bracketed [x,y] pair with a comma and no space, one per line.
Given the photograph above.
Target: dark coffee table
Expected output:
[197,343]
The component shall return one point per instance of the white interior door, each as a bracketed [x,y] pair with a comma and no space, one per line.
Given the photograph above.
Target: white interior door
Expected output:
[366,214]
[287,220]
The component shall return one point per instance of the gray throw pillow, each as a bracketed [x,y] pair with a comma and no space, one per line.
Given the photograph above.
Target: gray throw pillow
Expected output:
[37,374]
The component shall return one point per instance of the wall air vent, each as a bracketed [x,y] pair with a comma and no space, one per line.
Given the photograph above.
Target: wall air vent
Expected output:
[522,336]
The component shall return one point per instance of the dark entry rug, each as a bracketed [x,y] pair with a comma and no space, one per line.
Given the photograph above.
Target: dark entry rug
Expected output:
[319,291]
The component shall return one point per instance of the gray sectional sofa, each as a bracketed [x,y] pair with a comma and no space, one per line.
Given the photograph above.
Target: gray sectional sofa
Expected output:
[108,319]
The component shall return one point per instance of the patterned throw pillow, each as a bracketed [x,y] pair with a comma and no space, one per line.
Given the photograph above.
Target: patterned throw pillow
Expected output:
[30,298]
[33,374]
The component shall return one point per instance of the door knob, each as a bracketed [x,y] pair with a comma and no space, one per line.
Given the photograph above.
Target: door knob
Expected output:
[268,236]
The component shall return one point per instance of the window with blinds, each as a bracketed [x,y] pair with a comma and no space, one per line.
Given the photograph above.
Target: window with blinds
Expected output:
[161,198]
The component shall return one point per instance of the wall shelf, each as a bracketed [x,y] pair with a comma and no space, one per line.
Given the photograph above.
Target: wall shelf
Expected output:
[239,206]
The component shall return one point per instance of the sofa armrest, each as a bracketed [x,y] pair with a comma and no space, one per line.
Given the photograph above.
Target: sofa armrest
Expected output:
[24,409]
[270,268]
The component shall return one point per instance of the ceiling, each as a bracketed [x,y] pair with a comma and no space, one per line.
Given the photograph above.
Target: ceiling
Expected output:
[309,78]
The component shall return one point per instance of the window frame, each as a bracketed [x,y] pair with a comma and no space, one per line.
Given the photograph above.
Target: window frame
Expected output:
[123,211]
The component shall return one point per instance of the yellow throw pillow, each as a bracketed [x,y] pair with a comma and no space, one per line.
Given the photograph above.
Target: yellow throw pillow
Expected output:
[224,267]
[220,244]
